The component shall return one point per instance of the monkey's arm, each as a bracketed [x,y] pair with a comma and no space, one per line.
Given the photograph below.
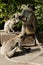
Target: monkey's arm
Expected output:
[9,54]
[22,30]
[12,29]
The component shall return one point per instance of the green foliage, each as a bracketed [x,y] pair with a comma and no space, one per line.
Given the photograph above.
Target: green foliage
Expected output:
[3,13]
[2,10]
[39,14]
[8,7]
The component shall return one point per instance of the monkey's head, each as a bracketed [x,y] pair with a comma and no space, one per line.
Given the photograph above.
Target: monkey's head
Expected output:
[16,18]
[31,7]
[26,13]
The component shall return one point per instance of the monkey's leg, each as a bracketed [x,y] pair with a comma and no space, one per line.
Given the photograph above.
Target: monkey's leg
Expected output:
[20,46]
[3,43]
[9,54]
[37,42]
[11,28]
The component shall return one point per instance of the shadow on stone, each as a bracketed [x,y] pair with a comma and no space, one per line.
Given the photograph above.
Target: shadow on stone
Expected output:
[25,51]
[21,53]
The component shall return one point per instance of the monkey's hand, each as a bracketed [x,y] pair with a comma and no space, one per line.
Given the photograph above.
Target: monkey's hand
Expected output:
[11,53]
[17,33]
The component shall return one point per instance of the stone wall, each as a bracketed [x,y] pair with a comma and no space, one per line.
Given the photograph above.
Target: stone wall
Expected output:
[40,37]
[5,36]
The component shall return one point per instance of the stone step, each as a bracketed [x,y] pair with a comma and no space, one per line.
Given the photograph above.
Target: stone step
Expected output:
[6,36]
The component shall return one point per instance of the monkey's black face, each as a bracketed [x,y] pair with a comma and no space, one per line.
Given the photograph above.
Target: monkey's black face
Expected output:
[16,18]
[13,16]
[31,7]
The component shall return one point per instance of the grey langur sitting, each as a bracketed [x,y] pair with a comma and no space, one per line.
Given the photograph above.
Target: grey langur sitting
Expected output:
[10,23]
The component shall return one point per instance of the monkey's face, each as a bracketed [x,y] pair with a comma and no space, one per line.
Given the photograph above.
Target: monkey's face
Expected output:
[31,7]
[16,18]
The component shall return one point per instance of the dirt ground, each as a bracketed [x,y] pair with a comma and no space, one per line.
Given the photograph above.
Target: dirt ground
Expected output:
[29,57]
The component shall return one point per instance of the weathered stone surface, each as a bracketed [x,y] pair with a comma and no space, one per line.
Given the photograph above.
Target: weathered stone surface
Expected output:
[29,58]
[5,36]
[0,39]
[40,37]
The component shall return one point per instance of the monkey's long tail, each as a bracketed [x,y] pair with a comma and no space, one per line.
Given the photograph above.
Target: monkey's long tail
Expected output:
[41,50]
[19,62]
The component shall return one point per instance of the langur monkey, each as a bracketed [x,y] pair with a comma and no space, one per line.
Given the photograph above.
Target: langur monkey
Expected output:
[10,23]
[29,19]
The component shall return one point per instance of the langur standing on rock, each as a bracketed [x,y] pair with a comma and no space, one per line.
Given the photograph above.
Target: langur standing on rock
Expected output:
[8,27]
[28,17]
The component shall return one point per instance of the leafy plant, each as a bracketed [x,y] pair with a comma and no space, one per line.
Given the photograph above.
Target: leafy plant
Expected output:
[8,7]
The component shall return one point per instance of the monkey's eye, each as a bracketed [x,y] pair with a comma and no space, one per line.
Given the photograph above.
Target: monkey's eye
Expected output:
[13,16]
[17,43]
